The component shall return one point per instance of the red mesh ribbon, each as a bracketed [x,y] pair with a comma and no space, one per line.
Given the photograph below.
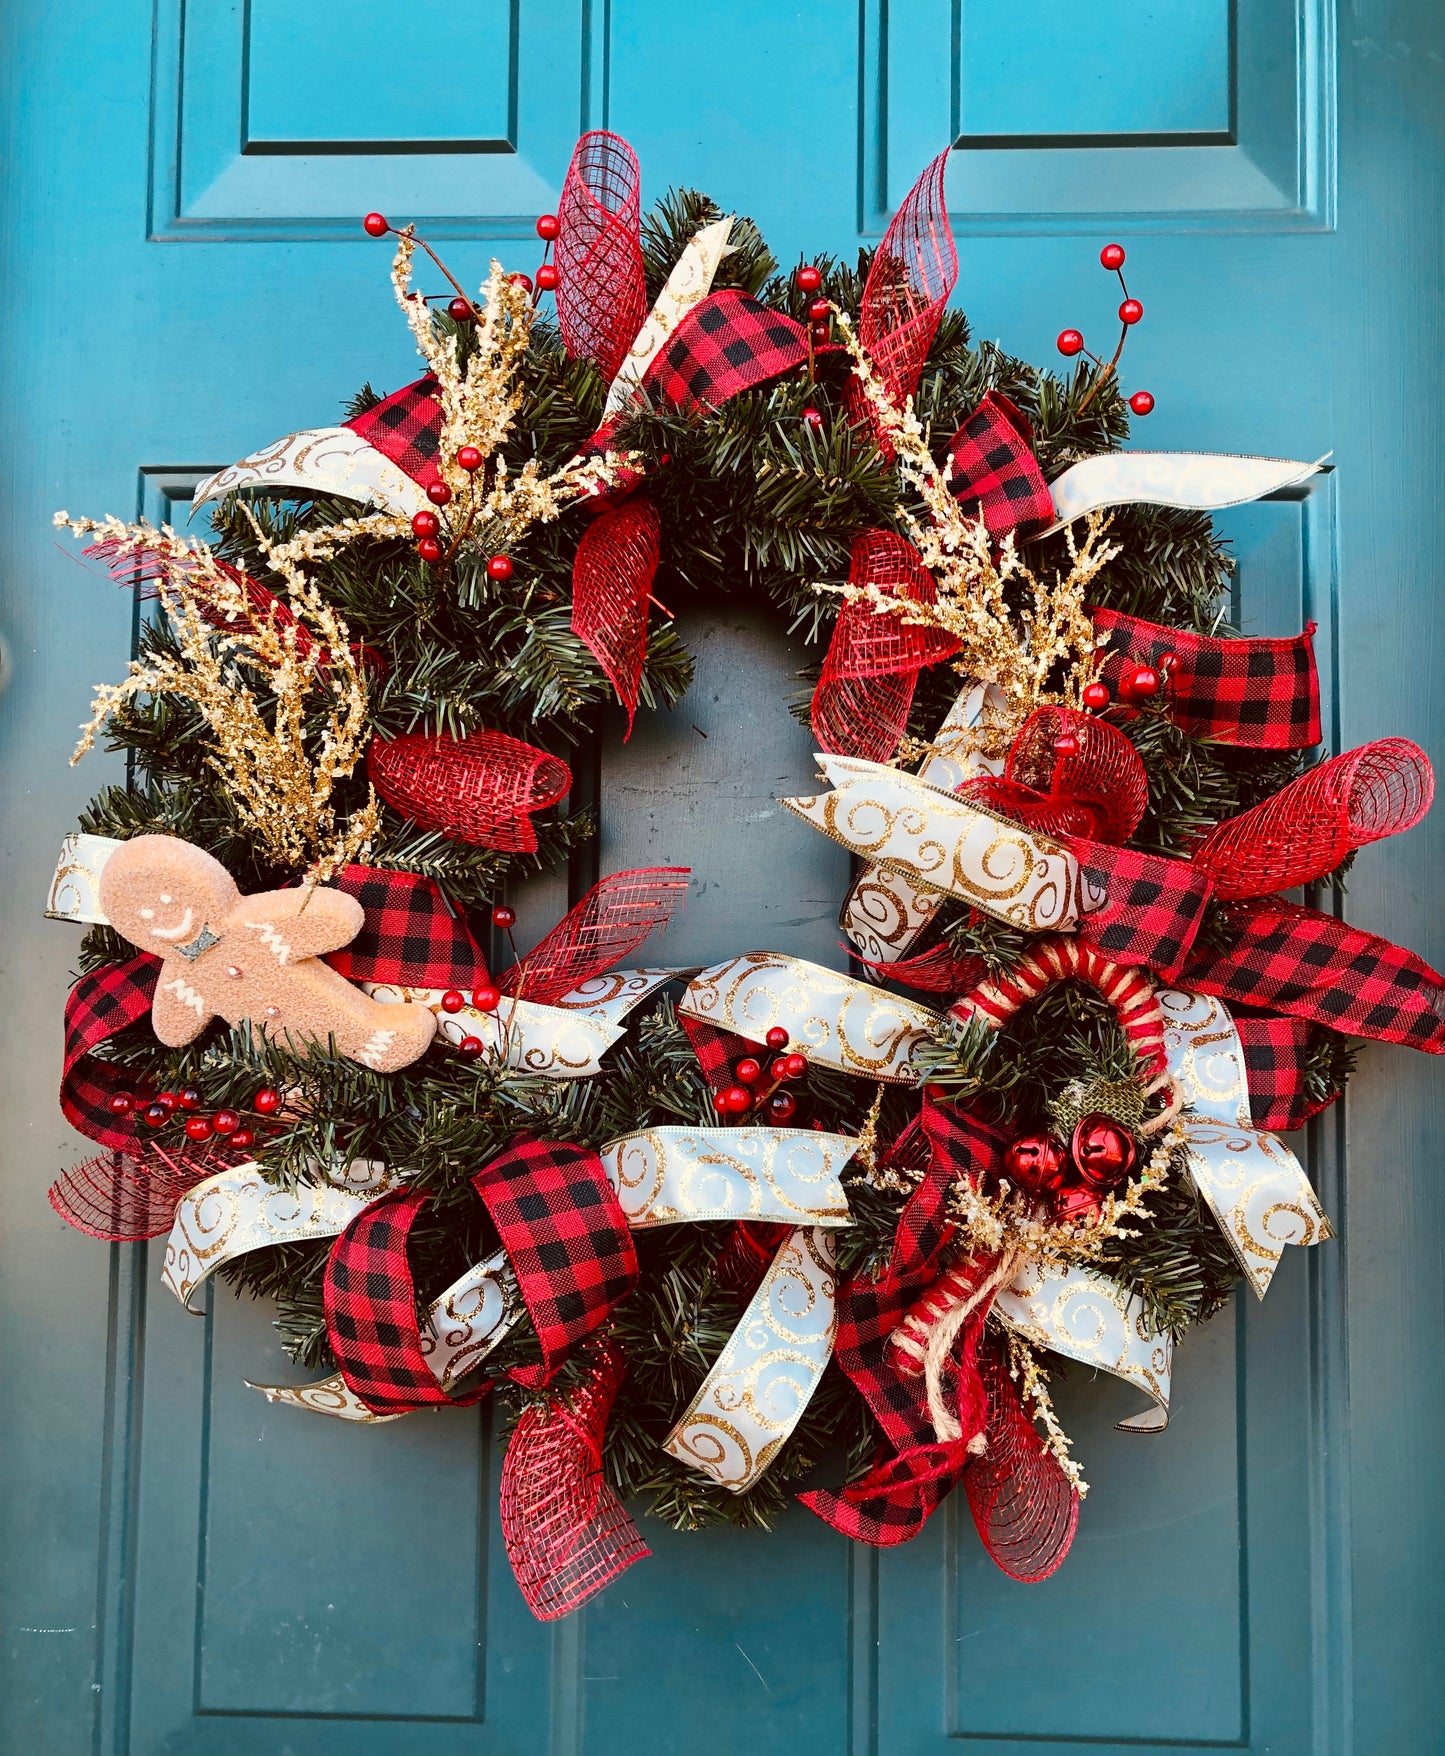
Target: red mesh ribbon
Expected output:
[1259,694]
[612,577]
[567,1239]
[123,1198]
[601,290]
[99,1005]
[411,936]
[1100,791]
[609,923]
[935,971]
[994,474]
[1309,826]
[909,282]
[1311,966]
[747,1252]
[567,1533]
[860,706]
[1025,1507]
[480,789]
[406,427]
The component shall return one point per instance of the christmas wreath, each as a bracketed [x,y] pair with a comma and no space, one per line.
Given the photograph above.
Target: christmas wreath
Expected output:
[709,1232]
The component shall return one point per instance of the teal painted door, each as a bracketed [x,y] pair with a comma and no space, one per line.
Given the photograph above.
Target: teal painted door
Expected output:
[189,1571]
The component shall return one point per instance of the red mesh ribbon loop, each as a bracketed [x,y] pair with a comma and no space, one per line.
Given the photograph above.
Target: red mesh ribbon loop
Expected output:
[480,789]
[371,1317]
[609,923]
[935,971]
[994,474]
[567,1240]
[860,706]
[1025,1507]
[410,937]
[1309,965]
[406,427]
[99,1005]
[1309,826]
[601,290]
[612,577]
[909,282]
[1258,694]
[567,1533]
[123,1198]
[1100,791]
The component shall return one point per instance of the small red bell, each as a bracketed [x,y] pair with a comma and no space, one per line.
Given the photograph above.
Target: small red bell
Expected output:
[1073,1206]
[1102,1151]
[1035,1163]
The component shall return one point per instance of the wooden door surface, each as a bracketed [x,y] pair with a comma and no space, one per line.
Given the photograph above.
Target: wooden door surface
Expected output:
[187,1570]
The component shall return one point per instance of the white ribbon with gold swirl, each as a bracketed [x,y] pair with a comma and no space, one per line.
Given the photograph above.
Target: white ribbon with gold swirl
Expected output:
[75,888]
[947,844]
[1253,1183]
[764,1378]
[785,1176]
[238,1210]
[321,460]
[836,1021]
[461,1329]
[687,286]
[1086,1316]
[1199,480]
[884,912]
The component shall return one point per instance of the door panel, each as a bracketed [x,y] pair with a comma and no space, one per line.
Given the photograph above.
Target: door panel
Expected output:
[187,1569]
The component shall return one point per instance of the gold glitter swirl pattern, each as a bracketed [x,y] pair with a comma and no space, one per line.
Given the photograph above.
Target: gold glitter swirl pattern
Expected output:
[75,888]
[782,1175]
[322,460]
[556,1041]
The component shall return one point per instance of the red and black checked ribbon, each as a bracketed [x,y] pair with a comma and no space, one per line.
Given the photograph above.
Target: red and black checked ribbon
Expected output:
[728,343]
[406,427]
[1275,1052]
[99,1005]
[1258,694]
[567,1240]
[994,474]
[410,937]
[371,1316]
[717,1051]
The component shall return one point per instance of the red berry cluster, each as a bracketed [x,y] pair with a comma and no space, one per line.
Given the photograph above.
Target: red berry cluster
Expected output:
[485,998]
[185,1105]
[760,1090]
[1138,684]
[1072,1181]
[1071,341]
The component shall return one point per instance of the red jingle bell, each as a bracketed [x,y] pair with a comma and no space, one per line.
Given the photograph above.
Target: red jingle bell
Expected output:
[1071,1206]
[1034,1163]
[1102,1151]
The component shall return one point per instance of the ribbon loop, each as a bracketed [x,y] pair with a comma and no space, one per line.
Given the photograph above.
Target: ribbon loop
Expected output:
[601,291]
[992,467]
[612,575]
[481,789]
[1099,790]
[610,923]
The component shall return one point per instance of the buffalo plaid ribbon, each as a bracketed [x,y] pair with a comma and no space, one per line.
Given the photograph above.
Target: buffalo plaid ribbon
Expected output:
[1258,694]
[1153,905]
[994,474]
[717,1051]
[407,428]
[410,936]
[727,344]
[371,1315]
[99,1005]
[1274,1065]
[567,1239]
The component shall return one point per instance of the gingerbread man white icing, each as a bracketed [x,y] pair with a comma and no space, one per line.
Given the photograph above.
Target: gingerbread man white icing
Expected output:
[251,957]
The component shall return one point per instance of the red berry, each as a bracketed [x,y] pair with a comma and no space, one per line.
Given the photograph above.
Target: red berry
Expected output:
[1142,403]
[121,1104]
[749,1071]
[777,1038]
[266,1101]
[1169,662]
[820,333]
[820,311]
[548,226]
[486,999]
[778,1070]
[1066,744]
[547,277]
[226,1121]
[469,1048]
[1070,341]
[375,225]
[809,279]
[469,458]
[460,310]
[1096,696]
[499,567]
[1130,311]
[524,281]
[781,1106]
[794,1065]
[504,917]
[430,550]
[1144,681]
[190,1098]
[1112,256]
[157,1114]
[198,1128]
[813,418]
[734,1099]
[453,1000]
[425,524]
[438,493]
[241,1139]
[167,1100]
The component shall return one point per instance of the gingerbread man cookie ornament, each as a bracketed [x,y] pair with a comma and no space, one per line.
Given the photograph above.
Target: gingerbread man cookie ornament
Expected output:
[255,957]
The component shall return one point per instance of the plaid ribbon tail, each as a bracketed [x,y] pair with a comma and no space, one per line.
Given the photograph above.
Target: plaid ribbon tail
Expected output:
[1153,907]
[99,1005]
[410,937]
[994,473]
[1276,1051]
[406,427]
[717,1051]
[896,1498]
[568,1242]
